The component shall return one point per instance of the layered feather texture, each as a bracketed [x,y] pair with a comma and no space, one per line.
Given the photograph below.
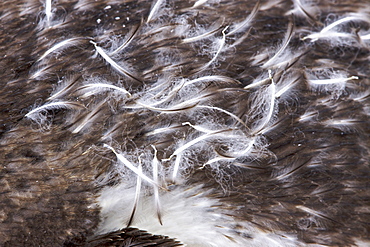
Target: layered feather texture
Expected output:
[201,123]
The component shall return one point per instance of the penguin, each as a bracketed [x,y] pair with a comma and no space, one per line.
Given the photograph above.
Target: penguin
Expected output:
[185,123]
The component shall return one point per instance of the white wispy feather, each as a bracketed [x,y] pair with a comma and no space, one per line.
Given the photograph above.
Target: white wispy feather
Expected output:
[48,12]
[224,111]
[328,80]
[54,105]
[154,10]
[268,93]
[262,79]
[345,125]
[238,140]
[163,130]
[210,78]
[129,165]
[197,140]
[240,27]
[201,36]
[42,72]
[137,196]
[289,81]
[221,43]
[304,8]
[288,37]
[161,97]
[187,104]
[243,151]
[155,164]
[181,106]
[131,36]
[218,159]
[61,45]
[332,80]
[199,3]
[286,59]
[112,62]
[198,127]
[307,116]
[331,35]
[94,88]
[354,17]
[232,156]
[331,31]
[312,211]
[348,121]
[183,84]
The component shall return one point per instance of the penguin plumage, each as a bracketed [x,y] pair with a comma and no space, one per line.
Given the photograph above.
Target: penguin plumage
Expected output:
[184,123]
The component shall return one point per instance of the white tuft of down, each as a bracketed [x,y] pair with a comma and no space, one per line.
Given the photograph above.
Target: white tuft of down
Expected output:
[188,214]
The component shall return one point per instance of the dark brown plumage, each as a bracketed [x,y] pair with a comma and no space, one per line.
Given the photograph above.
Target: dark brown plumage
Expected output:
[127,237]
[246,122]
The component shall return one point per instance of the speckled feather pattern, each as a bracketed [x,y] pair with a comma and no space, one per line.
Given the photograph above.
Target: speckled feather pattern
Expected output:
[201,123]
